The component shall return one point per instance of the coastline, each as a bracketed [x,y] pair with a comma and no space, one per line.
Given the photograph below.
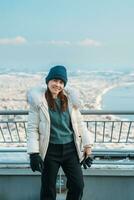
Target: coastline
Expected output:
[107,89]
[100,96]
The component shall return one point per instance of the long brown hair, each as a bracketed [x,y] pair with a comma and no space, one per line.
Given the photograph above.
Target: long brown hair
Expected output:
[51,102]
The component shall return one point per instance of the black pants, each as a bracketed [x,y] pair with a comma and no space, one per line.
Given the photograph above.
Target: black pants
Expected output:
[63,155]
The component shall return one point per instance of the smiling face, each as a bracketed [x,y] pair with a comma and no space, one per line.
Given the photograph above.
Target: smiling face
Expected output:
[55,86]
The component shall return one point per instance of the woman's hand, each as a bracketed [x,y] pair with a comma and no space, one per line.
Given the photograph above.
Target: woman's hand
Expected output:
[36,163]
[87,160]
[87,151]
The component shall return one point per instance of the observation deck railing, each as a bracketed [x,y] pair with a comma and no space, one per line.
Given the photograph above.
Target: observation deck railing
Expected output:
[112,132]
[107,130]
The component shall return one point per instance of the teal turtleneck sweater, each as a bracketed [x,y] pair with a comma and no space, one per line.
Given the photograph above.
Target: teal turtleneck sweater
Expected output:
[61,131]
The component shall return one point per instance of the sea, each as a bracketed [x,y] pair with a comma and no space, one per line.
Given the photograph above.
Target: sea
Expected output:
[118,99]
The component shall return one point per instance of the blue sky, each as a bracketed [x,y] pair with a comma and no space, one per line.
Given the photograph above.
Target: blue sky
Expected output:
[83,34]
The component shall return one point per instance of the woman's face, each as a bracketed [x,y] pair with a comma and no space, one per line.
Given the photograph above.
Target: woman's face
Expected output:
[55,86]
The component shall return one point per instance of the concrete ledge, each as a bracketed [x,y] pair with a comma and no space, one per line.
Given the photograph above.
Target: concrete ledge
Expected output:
[105,180]
[21,183]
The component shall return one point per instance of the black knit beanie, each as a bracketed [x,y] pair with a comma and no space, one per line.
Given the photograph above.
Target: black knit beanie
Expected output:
[57,72]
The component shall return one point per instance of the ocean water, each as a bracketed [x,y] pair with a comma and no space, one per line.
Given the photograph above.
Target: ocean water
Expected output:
[121,98]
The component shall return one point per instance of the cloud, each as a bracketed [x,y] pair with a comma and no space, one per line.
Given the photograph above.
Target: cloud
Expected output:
[85,43]
[88,43]
[59,42]
[54,42]
[13,41]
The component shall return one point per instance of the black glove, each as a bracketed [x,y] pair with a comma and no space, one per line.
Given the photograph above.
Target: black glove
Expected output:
[36,163]
[87,162]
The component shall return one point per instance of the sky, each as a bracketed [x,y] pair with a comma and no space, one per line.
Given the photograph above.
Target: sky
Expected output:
[82,34]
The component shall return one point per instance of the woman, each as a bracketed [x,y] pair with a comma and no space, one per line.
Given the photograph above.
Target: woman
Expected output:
[57,136]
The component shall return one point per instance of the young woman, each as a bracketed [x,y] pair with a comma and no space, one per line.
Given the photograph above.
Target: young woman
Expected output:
[57,135]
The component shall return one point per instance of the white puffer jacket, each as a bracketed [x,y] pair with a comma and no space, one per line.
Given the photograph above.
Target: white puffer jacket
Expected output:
[38,130]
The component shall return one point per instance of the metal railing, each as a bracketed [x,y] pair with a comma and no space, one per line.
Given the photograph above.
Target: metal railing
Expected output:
[108,129]
[111,129]
[13,126]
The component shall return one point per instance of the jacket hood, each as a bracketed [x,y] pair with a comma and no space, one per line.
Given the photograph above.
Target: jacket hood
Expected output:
[35,96]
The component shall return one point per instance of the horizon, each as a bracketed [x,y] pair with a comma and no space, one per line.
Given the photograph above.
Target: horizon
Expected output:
[71,71]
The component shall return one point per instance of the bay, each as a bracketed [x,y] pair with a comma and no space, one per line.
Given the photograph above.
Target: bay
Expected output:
[119,99]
